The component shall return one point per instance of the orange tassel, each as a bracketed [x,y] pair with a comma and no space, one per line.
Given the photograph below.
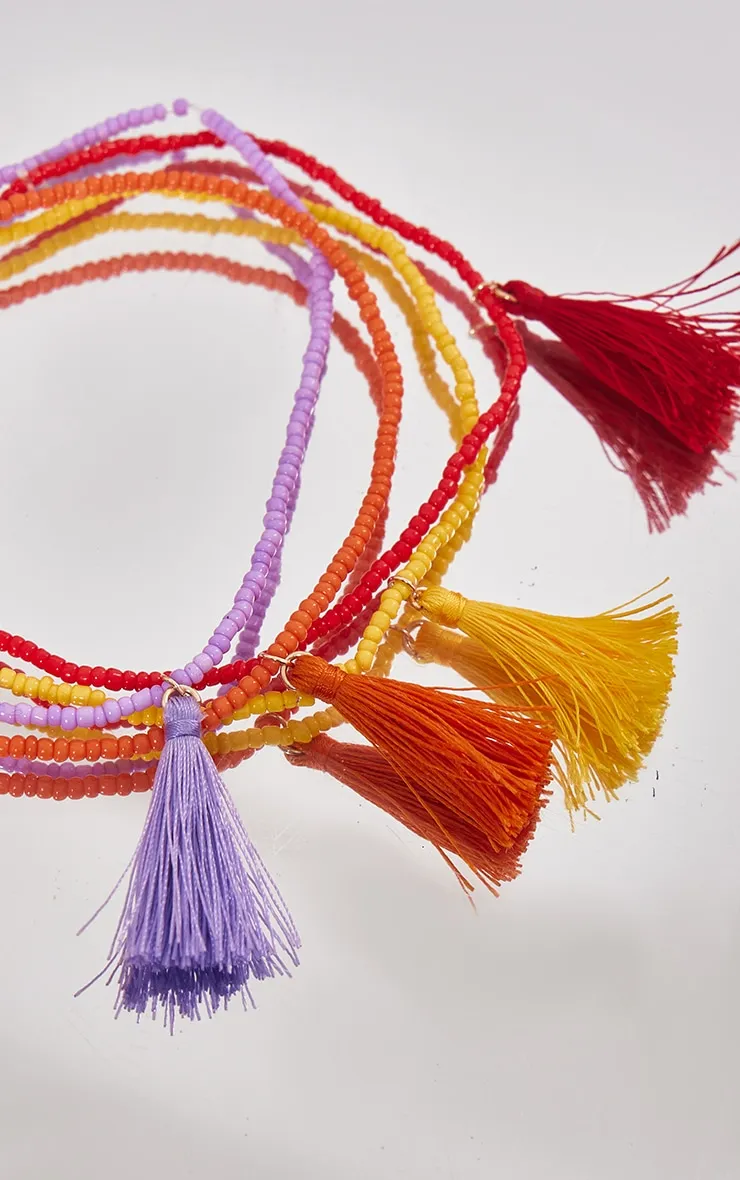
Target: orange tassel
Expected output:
[488,763]
[370,775]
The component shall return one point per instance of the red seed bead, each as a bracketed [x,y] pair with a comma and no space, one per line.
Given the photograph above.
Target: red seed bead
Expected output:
[45,786]
[84,674]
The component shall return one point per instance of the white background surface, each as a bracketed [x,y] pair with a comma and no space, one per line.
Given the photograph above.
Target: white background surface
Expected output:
[585,1024]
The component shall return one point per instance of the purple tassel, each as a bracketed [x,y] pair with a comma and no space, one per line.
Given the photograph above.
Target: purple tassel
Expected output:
[202,916]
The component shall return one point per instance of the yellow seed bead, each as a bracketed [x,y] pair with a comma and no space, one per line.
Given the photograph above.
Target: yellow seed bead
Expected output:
[19,683]
[381,619]
[367,645]
[210,742]
[373,633]
[256,738]
[45,684]
[313,725]
[324,720]
[64,694]
[222,743]
[306,701]
[290,700]
[417,568]
[97,697]
[7,676]
[274,702]
[257,706]
[364,660]
[392,607]
[272,735]
[80,694]
[32,686]
[351,667]
[299,731]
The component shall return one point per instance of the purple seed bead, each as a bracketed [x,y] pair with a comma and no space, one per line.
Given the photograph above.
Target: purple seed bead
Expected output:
[85,717]
[54,716]
[100,720]
[23,714]
[160,111]
[180,106]
[38,715]
[126,705]
[69,718]
[112,712]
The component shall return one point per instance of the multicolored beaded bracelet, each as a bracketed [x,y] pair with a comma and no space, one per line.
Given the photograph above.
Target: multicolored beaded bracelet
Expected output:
[445,341]
[469,774]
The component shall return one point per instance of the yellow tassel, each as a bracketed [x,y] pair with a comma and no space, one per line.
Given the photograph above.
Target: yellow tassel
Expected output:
[604,680]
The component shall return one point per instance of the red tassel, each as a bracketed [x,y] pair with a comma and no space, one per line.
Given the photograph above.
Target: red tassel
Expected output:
[665,473]
[489,764]
[680,366]
[370,775]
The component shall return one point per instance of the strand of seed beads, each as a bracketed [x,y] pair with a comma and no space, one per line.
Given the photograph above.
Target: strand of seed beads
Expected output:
[284,487]
[392,382]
